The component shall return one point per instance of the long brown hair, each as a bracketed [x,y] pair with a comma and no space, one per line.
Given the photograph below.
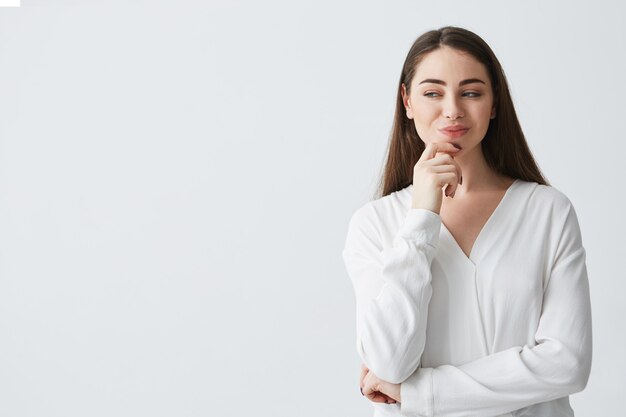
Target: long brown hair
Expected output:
[504,145]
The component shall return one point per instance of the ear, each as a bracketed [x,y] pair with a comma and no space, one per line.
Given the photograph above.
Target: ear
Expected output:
[493,113]
[406,102]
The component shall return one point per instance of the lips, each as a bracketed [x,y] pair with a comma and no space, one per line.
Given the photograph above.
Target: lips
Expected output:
[454,131]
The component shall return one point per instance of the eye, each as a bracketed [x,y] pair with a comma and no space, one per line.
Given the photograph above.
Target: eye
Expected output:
[471,94]
[431,94]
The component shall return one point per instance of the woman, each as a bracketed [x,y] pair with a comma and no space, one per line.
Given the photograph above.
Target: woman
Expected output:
[476,303]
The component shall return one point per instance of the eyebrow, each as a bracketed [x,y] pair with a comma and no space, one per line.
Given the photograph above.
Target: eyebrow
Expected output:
[464,82]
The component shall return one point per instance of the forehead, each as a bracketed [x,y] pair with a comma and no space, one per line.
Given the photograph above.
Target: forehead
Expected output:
[450,65]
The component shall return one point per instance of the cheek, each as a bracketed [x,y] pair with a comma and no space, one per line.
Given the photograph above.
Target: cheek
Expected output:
[424,130]
[423,114]
[484,112]
[424,117]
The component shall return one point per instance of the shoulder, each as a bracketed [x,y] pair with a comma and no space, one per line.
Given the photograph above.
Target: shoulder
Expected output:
[550,210]
[377,213]
[550,203]
[547,197]
[375,222]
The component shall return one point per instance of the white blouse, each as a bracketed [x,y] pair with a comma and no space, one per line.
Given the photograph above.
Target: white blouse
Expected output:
[505,331]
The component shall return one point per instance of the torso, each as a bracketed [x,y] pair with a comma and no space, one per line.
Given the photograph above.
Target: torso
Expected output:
[493,303]
[466,217]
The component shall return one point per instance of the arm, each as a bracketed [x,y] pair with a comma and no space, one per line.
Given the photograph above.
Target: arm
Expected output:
[556,366]
[393,288]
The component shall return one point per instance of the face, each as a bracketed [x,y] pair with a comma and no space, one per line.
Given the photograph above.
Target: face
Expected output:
[450,89]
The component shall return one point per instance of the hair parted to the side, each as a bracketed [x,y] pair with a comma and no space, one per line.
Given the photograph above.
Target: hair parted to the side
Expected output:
[504,145]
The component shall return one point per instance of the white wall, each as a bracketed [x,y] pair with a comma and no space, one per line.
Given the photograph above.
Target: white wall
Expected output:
[176,179]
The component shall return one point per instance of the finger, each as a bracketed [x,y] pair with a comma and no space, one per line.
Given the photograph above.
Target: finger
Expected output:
[457,165]
[364,372]
[369,384]
[382,398]
[440,159]
[377,397]
[445,178]
[448,180]
[371,389]
[432,148]
[444,158]
[387,398]
[448,191]
[438,169]
[452,167]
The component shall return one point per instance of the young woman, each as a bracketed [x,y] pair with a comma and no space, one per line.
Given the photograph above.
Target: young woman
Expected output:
[469,270]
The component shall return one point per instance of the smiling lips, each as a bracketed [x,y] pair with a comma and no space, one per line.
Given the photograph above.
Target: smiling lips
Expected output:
[454,131]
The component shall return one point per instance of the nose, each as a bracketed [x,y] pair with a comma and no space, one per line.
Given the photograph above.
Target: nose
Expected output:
[452,109]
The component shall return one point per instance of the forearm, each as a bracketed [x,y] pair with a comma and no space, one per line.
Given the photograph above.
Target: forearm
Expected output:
[556,366]
[393,298]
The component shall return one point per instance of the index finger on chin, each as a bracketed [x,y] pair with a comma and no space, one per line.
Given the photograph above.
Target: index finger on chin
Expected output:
[429,151]
[433,148]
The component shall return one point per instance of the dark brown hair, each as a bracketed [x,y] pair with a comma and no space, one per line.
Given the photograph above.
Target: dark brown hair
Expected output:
[504,145]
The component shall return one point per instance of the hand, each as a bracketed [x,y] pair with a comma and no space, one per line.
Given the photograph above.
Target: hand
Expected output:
[435,169]
[377,390]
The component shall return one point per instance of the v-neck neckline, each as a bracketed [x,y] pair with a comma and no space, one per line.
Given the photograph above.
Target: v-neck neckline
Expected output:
[476,245]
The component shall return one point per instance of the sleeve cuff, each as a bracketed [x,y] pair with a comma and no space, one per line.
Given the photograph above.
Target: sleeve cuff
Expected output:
[421,225]
[416,394]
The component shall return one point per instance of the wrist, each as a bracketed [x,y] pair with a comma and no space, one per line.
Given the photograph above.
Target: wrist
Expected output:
[393,391]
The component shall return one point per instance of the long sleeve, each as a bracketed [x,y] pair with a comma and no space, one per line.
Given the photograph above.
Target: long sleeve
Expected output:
[556,365]
[393,288]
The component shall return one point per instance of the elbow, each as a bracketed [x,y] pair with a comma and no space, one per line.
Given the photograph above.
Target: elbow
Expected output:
[580,375]
[391,348]
[564,364]
[582,368]
[397,375]
[576,366]
[389,367]
[393,374]
[577,383]
[565,368]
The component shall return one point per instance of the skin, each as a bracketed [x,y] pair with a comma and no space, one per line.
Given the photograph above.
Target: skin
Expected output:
[433,106]
[377,390]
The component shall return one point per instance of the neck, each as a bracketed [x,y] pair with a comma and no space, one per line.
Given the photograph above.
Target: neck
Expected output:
[477,175]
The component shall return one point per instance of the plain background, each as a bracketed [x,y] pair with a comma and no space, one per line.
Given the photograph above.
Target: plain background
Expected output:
[176,179]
